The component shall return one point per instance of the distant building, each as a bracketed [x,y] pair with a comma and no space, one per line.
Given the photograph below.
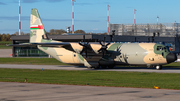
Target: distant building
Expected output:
[166,29]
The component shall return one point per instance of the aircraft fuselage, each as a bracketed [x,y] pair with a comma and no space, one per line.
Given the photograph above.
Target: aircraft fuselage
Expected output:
[150,54]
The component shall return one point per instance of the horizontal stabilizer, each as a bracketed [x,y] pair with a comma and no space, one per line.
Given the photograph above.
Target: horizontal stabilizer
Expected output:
[21,45]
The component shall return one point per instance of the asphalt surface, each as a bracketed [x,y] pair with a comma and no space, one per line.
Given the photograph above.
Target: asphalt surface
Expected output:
[57,67]
[5,52]
[50,92]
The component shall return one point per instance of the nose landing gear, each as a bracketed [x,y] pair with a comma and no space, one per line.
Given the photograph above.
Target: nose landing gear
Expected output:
[159,67]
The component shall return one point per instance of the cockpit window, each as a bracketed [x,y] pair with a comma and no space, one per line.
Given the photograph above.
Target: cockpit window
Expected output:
[161,48]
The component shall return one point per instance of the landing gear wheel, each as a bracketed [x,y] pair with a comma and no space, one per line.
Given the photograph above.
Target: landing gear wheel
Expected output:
[103,66]
[111,66]
[158,67]
[89,67]
[96,67]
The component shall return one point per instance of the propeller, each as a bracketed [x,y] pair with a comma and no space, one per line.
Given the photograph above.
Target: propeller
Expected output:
[85,45]
[103,48]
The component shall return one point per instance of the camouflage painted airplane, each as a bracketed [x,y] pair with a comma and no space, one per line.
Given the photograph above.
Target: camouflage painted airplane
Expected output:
[95,55]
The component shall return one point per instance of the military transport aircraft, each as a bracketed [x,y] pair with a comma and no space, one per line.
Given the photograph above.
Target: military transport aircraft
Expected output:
[96,55]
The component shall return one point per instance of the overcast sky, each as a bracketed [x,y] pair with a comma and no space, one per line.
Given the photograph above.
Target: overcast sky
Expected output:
[90,15]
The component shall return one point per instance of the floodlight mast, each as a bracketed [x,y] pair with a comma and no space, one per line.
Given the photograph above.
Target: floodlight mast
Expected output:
[73,16]
[19,17]
[135,16]
[108,19]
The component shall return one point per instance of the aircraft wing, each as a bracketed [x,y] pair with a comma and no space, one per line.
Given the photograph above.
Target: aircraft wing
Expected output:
[55,44]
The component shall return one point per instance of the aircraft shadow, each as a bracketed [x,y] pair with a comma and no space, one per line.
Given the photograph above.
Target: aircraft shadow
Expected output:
[164,68]
[126,67]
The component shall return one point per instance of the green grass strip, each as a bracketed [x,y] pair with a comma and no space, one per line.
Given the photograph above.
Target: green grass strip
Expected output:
[93,78]
[3,45]
[34,61]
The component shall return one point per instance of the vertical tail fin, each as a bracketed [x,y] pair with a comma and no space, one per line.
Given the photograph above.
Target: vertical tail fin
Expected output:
[36,27]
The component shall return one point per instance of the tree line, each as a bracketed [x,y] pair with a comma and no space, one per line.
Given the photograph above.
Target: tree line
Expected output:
[6,37]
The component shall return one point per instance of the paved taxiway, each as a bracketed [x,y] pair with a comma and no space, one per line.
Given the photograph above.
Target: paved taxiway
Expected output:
[57,67]
[45,92]
[50,92]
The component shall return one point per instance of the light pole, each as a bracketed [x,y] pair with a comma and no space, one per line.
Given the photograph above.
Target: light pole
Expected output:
[135,16]
[108,19]
[157,19]
[19,18]
[73,16]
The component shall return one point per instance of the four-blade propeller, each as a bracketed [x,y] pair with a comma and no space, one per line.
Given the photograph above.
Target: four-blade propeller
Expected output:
[86,46]
[103,48]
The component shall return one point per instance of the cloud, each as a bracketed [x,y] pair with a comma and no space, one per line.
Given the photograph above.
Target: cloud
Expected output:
[106,2]
[129,7]
[69,20]
[54,0]
[56,19]
[88,20]
[27,18]
[83,4]
[33,1]
[94,3]
[14,17]
[29,1]
[1,3]
[96,29]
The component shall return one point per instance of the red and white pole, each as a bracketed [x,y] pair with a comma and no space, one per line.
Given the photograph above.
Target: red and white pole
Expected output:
[134,16]
[157,19]
[73,16]
[108,19]
[19,18]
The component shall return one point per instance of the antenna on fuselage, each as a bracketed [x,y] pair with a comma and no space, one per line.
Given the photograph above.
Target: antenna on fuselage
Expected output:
[113,33]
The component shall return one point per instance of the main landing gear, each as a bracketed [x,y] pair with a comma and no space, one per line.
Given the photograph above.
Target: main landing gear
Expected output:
[102,67]
[158,67]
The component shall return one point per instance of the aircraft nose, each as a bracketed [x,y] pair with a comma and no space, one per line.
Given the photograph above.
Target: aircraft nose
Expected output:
[171,57]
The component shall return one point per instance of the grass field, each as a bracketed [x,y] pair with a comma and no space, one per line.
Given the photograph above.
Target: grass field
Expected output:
[3,43]
[93,78]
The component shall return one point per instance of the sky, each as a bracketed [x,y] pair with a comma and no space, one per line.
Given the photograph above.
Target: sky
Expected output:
[90,15]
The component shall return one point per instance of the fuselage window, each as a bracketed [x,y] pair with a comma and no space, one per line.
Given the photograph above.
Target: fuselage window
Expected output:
[159,48]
